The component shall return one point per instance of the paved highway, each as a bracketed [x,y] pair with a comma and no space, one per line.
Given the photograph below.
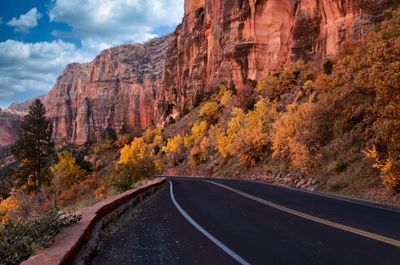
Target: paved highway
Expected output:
[213,221]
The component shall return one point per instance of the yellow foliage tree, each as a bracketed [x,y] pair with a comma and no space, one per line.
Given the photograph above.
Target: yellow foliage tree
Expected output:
[389,169]
[199,130]
[137,150]
[285,141]
[66,171]
[174,149]
[137,162]
[8,208]
[209,111]
[245,135]
[151,133]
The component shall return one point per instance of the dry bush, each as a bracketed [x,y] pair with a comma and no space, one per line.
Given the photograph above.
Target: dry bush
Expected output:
[175,149]
[21,239]
[389,168]
[290,77]
[122,140]
[199,154]
[209,111]
[198,131]
[101,148]
[79,192]
[245,135]
[137,162]
[289,140]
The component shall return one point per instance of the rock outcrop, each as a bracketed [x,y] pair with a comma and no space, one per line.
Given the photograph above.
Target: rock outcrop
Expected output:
[24,106]
[238,40]
[218,40]
[116,89]
[10,122]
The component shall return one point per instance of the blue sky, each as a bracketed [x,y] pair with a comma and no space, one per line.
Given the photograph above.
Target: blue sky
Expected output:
[39,37]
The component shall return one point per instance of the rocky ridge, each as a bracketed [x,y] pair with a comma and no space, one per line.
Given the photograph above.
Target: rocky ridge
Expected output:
[240,40]
[226,40]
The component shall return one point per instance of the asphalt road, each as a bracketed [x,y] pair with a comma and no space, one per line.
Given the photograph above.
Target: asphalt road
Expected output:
[195,221]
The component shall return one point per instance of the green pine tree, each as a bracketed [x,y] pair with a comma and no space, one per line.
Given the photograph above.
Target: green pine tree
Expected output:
[34,150]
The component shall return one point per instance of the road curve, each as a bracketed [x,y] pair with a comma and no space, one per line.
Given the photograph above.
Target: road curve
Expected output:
[215,221]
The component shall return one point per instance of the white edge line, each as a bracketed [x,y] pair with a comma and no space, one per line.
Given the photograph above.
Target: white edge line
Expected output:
[377,237]
[365,203]
[204,232]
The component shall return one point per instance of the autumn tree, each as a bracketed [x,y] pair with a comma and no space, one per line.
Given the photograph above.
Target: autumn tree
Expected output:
[174,149]
[209,111]
[34,150]
[137,162]
[66,173]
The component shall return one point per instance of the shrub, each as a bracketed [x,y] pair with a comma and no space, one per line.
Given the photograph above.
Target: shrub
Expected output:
[245,135]
[389,169]
[8,207]
[286,141]
[81,191]
[150,134]
[19,240]
[209,111]
[175,149]
[292,76]
[136,163]
[101,148]
[221,141]
[66,172]
[122,140]
[252,133]
[198,131]
[199,153]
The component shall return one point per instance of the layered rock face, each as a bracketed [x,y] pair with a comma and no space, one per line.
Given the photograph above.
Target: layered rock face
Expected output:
[116,89]
[10,122]
[218,40]
[24,106]
[237,40]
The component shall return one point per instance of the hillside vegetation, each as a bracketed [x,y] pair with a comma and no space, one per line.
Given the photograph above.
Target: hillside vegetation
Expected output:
[337,128]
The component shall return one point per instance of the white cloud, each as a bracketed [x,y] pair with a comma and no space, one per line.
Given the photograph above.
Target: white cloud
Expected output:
[34,67]
[25,22]
[115,21]
[98,24]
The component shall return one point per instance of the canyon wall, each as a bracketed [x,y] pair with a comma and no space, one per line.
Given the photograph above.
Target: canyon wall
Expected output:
[10,122]
[116,89]
[218,40]
[237,40]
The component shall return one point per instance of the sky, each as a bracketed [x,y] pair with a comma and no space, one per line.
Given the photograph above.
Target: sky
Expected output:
[39,37]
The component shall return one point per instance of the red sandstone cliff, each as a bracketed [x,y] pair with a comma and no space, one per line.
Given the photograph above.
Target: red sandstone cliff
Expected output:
[218,40]
[117,88]
[236,40]
[10,122]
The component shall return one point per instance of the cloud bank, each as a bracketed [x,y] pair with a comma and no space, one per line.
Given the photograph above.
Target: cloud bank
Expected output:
[32,68]
[26,21]
[115,21]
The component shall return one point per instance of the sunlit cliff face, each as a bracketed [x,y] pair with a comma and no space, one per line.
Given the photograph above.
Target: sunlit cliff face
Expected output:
[238,40]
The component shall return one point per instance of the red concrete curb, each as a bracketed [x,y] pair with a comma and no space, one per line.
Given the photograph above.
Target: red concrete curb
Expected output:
[69,243]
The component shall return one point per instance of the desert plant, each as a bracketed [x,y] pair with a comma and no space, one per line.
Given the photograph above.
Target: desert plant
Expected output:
[389,168]
[21,239]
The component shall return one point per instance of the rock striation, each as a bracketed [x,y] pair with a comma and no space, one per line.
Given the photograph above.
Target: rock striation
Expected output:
[238,40]
[218,40]
[10,122]
[116,89]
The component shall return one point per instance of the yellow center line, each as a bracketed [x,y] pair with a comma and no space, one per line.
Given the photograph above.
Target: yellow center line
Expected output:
[353,230]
